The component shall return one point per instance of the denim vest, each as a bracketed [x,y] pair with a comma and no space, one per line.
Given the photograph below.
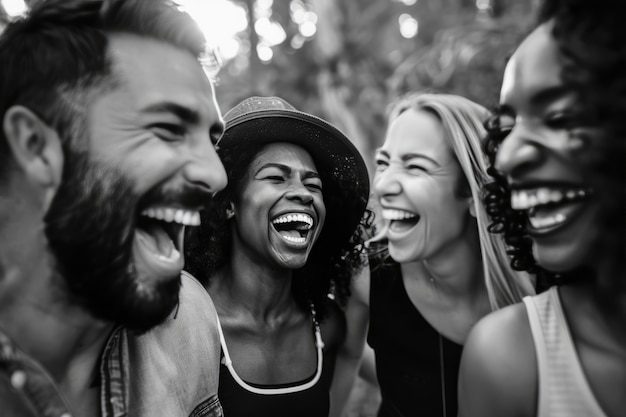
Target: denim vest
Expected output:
[172,370]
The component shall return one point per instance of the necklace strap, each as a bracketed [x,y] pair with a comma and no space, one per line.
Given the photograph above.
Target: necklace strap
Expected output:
[318,333]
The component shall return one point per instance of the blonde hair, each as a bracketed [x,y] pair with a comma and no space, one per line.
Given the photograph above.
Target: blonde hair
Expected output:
[462,121]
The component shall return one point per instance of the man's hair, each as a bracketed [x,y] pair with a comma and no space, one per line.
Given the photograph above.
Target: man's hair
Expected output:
[332,262]
[462,121]
[592,42]
[56,57]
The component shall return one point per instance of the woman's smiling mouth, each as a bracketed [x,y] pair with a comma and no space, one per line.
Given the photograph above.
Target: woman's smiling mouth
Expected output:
[550,208]
[400,220]
[294,227]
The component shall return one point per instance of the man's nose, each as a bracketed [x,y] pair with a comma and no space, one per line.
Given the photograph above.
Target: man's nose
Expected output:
[205,169]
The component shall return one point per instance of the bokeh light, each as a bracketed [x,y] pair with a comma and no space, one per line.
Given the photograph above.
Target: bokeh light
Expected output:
[307,29]
[408,25]
[220,21]
[226,25]
[264,51]
[14,7]
[271,32]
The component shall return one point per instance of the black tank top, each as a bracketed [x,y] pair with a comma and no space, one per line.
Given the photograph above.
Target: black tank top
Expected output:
[307,398]
[410,353]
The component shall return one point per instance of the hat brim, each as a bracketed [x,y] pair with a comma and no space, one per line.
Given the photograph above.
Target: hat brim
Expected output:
[345,180]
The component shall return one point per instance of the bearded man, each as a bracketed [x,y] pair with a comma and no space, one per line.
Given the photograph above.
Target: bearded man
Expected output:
[107,152]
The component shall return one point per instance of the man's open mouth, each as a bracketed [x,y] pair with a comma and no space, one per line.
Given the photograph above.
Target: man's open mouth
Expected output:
[161,230]
[294,227]
[549,208]
[400,220]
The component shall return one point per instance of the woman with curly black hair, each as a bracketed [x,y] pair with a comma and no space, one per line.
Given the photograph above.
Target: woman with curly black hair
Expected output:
[285,233]
[557,148]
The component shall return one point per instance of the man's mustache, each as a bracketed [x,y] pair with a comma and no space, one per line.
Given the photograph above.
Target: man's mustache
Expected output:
[187,195]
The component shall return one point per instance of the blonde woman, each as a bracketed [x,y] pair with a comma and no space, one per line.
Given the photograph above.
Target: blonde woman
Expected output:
[434,270]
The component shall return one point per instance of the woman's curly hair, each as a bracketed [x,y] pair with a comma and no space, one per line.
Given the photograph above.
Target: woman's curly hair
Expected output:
[332,262]
[592,43]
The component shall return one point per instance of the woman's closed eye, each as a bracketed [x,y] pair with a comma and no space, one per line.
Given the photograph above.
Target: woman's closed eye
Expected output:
[313,184]
[561,120]
[276,178]
[381,163]
[416,168]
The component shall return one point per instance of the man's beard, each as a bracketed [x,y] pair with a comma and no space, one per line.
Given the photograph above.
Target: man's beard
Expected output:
[90,228]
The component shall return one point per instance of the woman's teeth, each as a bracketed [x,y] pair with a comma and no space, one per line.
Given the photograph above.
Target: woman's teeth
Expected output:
[294,217]
[295,239]
[549,221]
[530,198]
[293,227]
[396,214]
[547,208]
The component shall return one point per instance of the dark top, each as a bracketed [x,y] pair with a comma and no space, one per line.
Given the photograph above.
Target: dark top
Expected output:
[314,401]
[409,360]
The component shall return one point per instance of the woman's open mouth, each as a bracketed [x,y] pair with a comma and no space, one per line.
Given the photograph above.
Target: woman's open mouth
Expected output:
[400,220]
[550,208]
[295,228]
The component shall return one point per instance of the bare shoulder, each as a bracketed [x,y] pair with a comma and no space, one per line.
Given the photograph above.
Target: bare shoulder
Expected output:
[361,288]
[356,318]
[498,373]
[333,327]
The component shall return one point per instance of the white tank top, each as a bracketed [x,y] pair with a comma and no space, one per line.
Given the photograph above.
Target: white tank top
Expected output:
[563,388]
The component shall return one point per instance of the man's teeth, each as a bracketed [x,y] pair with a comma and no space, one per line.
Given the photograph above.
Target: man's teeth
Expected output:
[542,222]
[295,217]
[172,215]
[527,199]
[395,214]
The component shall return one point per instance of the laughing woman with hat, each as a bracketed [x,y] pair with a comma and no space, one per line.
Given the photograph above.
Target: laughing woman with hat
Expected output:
[285,233]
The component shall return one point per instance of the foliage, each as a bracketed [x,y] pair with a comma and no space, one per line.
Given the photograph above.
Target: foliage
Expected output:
[358,61]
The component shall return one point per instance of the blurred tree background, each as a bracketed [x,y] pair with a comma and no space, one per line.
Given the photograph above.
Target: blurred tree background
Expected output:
[346,60]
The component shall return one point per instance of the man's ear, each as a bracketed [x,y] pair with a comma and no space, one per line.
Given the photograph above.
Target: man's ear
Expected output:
[36,147]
